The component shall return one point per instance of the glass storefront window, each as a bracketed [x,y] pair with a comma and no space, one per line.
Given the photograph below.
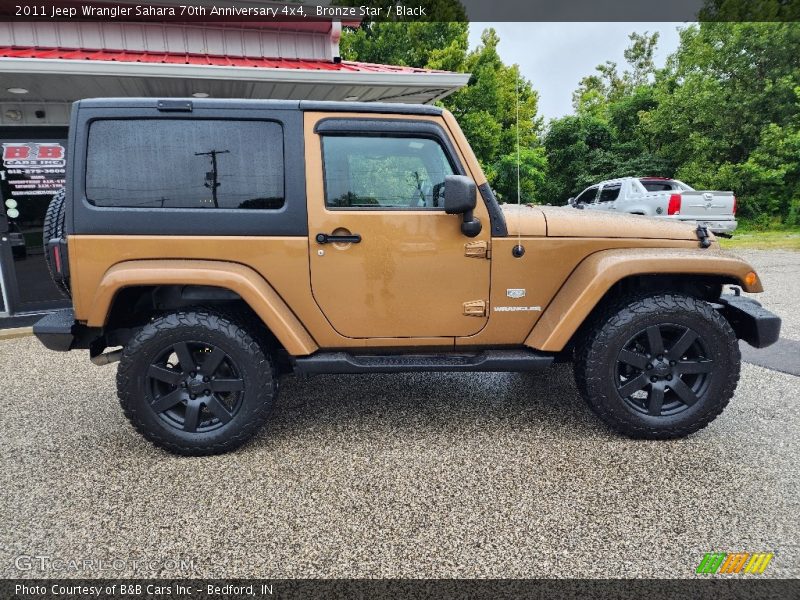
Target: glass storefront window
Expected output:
[32,169]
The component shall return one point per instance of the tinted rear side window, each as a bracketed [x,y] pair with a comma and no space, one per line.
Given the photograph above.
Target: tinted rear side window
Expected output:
[652,185]
[176,163]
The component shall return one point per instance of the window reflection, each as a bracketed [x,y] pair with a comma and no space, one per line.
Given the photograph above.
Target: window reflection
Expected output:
[173,163]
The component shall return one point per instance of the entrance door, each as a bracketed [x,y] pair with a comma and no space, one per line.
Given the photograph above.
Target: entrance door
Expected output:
[386,260]
[31,171]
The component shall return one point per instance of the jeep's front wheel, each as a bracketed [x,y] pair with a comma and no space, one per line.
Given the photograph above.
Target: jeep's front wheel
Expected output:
[658,367]
[195,383]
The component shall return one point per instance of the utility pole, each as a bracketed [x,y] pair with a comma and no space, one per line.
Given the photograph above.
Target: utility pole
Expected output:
[214,184]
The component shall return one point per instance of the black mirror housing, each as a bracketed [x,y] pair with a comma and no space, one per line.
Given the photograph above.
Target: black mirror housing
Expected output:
[460,199]
[459,194]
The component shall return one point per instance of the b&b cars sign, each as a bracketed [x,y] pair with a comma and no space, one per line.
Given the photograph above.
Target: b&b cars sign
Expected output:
[34,156]
[31,173]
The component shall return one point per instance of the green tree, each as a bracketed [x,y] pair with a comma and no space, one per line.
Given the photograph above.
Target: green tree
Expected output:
[487,111]
[486,108]
[440,42]
[596,92]
[610,135]
[577,149]
[639,56]
[415,44]
[722,114]
[532,175]
[726,100]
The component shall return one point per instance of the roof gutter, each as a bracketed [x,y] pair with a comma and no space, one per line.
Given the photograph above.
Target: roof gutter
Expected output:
[39,66]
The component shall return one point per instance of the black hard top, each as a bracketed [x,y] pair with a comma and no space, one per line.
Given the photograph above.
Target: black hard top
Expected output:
[312,105]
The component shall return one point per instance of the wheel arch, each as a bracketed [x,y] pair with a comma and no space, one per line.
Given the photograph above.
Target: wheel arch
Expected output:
[609,273]
[206,282]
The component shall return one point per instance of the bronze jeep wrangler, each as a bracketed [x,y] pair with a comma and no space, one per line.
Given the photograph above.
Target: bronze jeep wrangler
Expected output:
[213,245]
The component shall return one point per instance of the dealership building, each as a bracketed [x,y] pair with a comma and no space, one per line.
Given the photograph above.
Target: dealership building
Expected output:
[46,65]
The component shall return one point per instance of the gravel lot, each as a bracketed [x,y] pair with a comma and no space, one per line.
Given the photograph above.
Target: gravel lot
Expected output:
[418,475]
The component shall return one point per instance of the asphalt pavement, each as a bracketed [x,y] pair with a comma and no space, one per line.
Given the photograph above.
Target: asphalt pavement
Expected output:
[412,475]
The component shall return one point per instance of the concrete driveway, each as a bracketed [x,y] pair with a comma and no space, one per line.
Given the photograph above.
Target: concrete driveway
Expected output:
[418,475]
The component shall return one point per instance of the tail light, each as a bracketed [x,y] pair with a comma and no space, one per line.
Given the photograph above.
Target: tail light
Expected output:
[674,206]
[734,206]
[58,246]
[57,258]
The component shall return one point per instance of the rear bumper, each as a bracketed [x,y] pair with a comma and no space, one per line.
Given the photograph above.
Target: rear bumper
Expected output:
[59,331]
[724,227]
[752,323]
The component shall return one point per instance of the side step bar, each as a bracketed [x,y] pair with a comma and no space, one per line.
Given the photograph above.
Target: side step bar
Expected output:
[489,360]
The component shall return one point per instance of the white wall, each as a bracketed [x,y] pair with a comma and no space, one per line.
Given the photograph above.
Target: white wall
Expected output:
[173,38]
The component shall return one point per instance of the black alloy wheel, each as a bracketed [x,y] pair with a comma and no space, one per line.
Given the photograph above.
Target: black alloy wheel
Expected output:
[195,386]
[657,366]
[197,382]
[663,370]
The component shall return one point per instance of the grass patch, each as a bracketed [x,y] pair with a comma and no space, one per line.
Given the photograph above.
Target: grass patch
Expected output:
[763,240]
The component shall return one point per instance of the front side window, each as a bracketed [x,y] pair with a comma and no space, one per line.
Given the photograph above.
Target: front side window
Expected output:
[587,196]
[610,192]
[181,163]
[384,172]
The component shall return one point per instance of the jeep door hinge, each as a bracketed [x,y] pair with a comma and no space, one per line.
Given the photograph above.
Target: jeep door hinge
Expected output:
[475,308]
[477,250]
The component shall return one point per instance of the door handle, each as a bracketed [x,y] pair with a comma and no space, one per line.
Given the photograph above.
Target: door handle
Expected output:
[324,238]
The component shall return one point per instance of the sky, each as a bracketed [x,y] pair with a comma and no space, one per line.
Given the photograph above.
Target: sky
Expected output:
[556,56]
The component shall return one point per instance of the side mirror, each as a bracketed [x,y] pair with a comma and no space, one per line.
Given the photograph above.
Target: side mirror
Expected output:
[571,201]
[459,199]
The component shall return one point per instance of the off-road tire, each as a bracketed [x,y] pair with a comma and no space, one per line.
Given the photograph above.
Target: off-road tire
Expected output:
[597,364]
[254,367]
[54,228]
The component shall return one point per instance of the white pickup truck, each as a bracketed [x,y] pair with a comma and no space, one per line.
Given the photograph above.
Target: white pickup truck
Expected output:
[663,198]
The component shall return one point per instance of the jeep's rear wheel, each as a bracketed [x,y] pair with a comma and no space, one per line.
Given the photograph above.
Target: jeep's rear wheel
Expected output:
[195,383]
[658,367]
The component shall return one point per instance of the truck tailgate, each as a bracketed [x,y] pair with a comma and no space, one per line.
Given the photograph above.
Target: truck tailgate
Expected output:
[707,206]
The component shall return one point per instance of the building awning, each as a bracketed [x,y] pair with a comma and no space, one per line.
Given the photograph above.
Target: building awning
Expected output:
[55,77]
[125,56]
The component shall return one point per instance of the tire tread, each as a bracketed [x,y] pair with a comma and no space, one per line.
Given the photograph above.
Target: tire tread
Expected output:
[54,227]
[266,388]
[589,363]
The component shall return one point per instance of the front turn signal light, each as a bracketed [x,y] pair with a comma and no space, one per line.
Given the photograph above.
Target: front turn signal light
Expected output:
[750,278]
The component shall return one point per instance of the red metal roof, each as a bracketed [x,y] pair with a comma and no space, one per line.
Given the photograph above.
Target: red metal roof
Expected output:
[202,59]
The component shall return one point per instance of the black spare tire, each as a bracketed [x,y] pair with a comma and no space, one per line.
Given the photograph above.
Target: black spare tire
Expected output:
[54,228]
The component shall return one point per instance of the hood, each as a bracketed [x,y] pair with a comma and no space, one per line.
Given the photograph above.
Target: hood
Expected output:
[565,221]
[524,219]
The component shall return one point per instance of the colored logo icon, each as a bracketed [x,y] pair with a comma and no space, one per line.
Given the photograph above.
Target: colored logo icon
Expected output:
[734,563]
